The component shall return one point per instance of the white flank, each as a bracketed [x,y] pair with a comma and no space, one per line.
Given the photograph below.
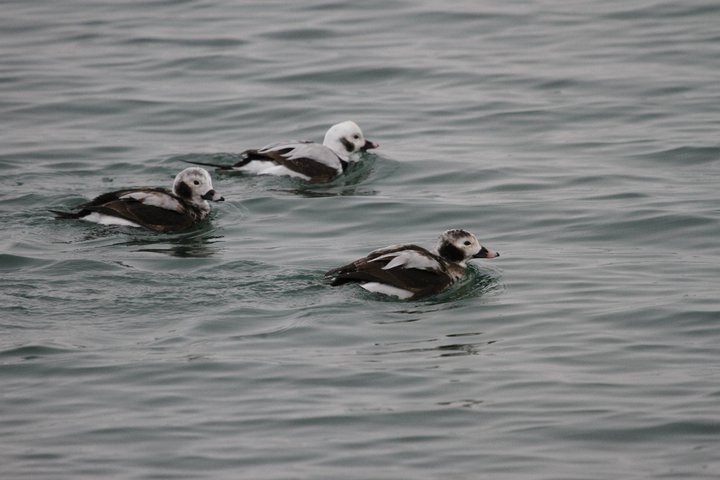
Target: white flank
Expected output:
[377,287]
[103,219]
[259,167]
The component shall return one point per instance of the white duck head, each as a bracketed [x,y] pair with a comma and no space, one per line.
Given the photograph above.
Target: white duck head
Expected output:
[195,185]
[346,139]
[459,246]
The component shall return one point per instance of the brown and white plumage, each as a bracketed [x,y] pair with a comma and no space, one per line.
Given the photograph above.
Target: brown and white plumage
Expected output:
[154,208]
[310,161]
[410,271]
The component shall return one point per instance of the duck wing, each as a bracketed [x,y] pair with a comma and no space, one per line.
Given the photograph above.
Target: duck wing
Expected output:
[311,159]
[153,208]
[407,267]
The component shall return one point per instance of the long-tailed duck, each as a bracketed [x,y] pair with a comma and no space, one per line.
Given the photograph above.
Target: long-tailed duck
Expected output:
[410,271]
[155,208]
[303,159]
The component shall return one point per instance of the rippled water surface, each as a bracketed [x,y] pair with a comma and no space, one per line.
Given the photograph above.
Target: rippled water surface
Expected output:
[580,139]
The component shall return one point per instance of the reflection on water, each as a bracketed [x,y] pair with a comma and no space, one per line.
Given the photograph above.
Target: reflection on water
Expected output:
[321,192]
[464,403]
[197,250]
[435,346]
[193,245]
[199,242]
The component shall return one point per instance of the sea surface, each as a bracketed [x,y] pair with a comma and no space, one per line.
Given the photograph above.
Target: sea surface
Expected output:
[579,139]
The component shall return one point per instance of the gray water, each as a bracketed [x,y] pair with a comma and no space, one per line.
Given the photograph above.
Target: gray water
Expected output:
[579,139]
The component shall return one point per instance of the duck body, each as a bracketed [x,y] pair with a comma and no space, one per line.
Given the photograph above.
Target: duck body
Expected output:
[305,160]
[410,271]
[154,208]
[310,161]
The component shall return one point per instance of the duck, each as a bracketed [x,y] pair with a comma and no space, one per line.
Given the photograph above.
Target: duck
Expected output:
[154,208]
[306,160]
[409,271]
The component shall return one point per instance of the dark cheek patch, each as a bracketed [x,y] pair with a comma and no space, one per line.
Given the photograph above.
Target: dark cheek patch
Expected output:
[451,252]
[184,190]
[347,144]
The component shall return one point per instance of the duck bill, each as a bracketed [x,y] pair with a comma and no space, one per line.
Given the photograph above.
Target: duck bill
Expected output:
[213,196]
[486,253]
[368,145]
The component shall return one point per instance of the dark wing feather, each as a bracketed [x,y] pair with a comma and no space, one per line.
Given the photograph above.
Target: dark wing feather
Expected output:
[85,208]
[317,171]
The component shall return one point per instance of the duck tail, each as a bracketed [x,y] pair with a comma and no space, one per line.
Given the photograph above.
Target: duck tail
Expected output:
[208,164]
[65,215]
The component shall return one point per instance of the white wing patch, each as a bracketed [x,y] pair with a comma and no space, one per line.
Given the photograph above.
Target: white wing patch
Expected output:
[409,259]
[394,247]
[156,199]
[313,151]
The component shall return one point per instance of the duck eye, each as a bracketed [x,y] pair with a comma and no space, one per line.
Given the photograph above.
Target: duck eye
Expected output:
[356,136]
[467,242]
[197,182]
